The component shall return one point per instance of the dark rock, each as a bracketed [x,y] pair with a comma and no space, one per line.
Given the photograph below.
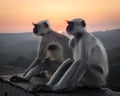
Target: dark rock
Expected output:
[10,89]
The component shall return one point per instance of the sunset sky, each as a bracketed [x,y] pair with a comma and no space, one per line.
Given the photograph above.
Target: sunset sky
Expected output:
[18,15]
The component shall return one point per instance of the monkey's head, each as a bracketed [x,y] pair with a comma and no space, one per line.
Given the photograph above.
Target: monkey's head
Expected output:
[76,26]
[55,52]
[41,28]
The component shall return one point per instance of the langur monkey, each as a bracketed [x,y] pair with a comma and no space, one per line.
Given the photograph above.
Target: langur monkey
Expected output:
[90,65]
[53,59]
[49,38]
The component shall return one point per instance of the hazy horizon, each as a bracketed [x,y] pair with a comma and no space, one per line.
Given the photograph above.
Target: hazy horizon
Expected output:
[58,31]
[17,16]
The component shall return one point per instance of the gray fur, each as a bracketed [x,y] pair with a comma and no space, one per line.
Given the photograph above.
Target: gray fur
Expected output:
[90,66]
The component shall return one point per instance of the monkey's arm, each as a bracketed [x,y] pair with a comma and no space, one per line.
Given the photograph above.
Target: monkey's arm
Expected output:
[72,42]
[85,56]
[56,77]
[60,72]
[40,56]
[86,47]
[80,71]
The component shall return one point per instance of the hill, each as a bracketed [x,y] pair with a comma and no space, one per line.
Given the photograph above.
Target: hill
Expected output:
[110,38]
[25,45]
[6,70]
[17,45]
[21,49]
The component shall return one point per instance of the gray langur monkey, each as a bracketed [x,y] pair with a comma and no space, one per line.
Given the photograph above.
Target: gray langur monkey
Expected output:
[53,59]
[53,44]
[90,66]
[54,52]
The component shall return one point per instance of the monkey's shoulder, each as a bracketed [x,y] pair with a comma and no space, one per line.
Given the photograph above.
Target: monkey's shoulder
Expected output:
[56,37]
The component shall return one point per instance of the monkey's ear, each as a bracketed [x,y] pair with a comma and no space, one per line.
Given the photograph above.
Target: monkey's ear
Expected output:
[83,23]
[46,24]
[67,21]
[70,22]
[34,24]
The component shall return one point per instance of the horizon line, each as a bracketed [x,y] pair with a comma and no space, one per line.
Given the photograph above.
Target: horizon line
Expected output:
[58,32]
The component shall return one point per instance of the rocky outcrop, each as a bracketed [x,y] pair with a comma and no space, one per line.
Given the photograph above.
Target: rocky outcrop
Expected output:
[9,89]
[10,70]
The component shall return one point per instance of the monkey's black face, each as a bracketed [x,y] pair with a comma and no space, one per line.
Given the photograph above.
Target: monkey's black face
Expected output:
[40,29]
[75,26]
[70,27]
[36,29]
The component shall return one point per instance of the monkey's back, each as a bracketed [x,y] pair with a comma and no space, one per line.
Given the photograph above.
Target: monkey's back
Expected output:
[59,39]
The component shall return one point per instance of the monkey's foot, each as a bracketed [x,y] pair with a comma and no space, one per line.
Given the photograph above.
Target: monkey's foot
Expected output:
[18,79]
[42,88]
[46,88]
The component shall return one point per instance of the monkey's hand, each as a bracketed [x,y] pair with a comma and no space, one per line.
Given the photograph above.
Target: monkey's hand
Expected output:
[18,79]
[46,60]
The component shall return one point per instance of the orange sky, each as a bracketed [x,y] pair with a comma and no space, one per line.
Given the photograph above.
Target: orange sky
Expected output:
[17,15]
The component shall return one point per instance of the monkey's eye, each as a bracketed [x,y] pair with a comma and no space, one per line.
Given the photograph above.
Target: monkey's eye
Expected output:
[36,26]
[70,23]
[70,26]
[35,29]
[46,25]
[83,23]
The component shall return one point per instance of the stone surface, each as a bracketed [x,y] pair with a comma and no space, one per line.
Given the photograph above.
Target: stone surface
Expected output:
[10,89]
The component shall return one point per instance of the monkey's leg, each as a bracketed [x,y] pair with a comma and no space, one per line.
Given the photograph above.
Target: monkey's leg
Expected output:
[55,78]
[80,72]
[34,63]
[34,71]
[65,82]
[94,77]
[60,72]
[26,77]
[38,68]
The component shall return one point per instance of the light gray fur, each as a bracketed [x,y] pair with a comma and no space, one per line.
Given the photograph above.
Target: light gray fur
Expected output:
[90,66]
[48,37]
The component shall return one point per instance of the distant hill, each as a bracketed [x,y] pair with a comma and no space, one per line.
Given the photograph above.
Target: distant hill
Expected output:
[21,49]
[9,70]
[13,46]
[20,62]
[9,39]
[25,45]
[110,38]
